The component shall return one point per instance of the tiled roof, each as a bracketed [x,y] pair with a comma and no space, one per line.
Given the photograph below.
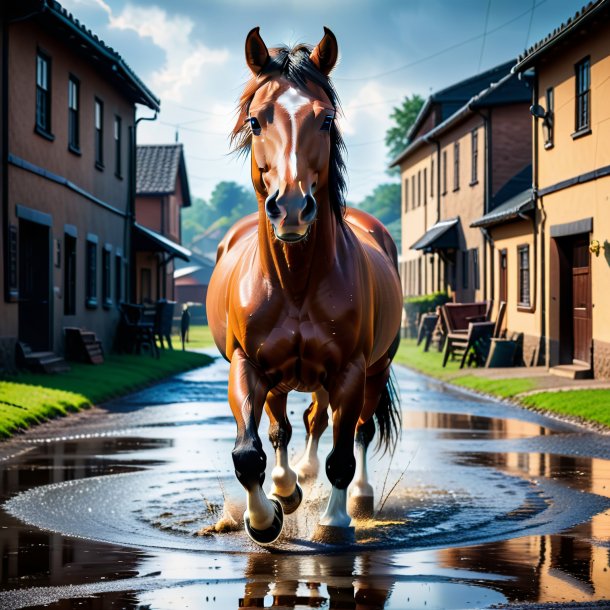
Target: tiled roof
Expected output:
[157,169]
[51,12]
[573,24]
[441,236]
[509,210]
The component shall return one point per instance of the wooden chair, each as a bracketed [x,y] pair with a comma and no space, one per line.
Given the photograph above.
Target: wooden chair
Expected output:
[477,338]
[164,316]
[427,324]
[135,331]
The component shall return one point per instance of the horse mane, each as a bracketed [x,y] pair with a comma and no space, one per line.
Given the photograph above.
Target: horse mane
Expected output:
[295,66]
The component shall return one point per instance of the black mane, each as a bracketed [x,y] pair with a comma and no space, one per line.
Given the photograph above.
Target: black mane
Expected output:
[296,67]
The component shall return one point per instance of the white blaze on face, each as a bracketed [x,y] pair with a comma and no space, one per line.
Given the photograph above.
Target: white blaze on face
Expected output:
[292,101]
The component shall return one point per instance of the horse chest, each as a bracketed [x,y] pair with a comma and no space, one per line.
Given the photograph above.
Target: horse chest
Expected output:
[299,354]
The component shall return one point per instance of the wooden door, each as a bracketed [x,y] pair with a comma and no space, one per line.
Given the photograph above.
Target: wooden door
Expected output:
[503,276]
[581,300]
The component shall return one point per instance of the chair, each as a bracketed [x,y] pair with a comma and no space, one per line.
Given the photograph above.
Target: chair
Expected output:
[164,316]
[427,324]
[135,331]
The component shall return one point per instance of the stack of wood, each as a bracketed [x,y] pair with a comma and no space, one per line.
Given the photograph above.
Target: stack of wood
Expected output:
[83,346]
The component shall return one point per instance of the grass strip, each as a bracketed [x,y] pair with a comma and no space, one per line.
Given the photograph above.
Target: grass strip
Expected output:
[28,398]
[592,405]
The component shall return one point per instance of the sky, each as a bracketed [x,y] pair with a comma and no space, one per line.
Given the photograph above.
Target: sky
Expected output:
[190,53]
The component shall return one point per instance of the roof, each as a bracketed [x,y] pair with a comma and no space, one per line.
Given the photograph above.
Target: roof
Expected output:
[508,90]
[453,97]
[85,42]
[441,236]
[146,239]
[599,9]
[509,210]
[158,168]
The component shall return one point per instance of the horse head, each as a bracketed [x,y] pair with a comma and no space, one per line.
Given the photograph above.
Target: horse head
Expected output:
[287,116]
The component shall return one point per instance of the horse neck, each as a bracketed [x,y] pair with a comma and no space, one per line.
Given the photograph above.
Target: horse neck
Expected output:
[294,267]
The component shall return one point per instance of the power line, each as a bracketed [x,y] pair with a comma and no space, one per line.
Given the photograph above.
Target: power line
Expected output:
[441,51]
[484,35]
[529,27]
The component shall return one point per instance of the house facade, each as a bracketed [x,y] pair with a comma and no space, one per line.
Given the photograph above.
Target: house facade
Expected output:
[162,190]
[468,149]
[68,122]
[571,152]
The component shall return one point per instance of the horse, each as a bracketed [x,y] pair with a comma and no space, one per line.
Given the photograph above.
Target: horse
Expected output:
[305,296]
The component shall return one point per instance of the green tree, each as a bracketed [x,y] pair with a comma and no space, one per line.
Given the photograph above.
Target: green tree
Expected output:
[403,117]
[384,204]
[232,200]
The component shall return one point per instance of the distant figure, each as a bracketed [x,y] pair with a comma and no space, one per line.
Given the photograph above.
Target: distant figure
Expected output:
[185,322]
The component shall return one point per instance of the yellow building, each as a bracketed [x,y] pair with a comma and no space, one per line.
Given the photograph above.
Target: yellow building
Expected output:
[557,269]
[469,151]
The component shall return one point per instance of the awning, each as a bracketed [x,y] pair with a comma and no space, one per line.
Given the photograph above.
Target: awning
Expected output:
[509,210]
[441,236]
[147,240]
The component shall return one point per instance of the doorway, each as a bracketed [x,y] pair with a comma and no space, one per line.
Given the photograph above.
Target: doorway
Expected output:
[35,285]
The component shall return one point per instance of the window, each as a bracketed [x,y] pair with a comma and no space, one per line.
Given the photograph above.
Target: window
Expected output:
[465,268]
[99,134]
[456,166]
[413,191]
[583,95]
[475,157]
[91,272]
[73,115]
[444,172]
[503,275]
[118,278]
[106,257]
[145,285]
[425,185]
[431,177]
[475,268]
[117,147]
[418,188]
[549,118]
[43,94]
[523,256]
[406,194]
[69,275]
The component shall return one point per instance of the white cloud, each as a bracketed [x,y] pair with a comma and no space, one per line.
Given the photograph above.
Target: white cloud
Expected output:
[184,58]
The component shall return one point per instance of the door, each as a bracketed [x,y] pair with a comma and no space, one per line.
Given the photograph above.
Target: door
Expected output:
[34,285]
[503,275]
[581,300]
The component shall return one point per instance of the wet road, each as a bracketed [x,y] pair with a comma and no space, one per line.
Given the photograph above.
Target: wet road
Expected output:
[483,504]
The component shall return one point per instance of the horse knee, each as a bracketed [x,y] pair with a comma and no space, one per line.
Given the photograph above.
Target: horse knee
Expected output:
[250,462]
[280,436]
[340,467]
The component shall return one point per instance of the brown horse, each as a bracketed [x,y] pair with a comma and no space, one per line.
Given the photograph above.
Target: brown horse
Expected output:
[305,295]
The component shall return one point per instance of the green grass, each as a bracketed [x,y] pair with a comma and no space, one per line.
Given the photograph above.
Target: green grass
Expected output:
[200,336]
[429,363]
[593,405]
[29,398]
[502,388]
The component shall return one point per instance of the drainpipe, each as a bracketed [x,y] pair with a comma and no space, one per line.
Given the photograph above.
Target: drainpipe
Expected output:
[4,144]
[131,207]
[432,140]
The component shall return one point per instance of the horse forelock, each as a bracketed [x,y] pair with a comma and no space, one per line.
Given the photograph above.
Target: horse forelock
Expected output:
[294,65]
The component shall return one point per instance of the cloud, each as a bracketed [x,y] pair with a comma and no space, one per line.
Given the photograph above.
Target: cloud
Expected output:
[184,58]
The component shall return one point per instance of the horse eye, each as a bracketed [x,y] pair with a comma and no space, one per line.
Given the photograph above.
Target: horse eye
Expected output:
[256,126]
[328,121]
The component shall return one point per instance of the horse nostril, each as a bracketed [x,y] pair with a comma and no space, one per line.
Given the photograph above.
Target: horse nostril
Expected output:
[309,211]
[271,207]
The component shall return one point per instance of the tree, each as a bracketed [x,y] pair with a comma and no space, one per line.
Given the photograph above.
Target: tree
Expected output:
[232,200]
[384,204]
[403,116]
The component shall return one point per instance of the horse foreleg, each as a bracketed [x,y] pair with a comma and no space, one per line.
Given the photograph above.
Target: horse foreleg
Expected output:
[285,486]
[346,399]
[247,393]
[316,421]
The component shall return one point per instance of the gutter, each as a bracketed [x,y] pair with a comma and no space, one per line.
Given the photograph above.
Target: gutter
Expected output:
[4,144]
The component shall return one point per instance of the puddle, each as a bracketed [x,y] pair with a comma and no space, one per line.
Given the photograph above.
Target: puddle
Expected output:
[491,505]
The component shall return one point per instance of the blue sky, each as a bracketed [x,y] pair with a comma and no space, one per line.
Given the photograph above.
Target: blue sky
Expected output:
[190,53]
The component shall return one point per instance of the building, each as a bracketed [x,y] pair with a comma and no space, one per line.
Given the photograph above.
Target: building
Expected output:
[561,262]
[162,190]
[469,149]
[68,142]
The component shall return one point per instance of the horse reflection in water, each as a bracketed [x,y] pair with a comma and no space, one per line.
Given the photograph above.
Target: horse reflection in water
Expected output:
[321,581]
[305,296]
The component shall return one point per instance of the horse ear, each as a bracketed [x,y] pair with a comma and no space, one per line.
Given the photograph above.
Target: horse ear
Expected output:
[257,54]
[326,53]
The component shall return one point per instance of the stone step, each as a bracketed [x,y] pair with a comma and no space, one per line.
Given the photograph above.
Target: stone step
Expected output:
[572,371]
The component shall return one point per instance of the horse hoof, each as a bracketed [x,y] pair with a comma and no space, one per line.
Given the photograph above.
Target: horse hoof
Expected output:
[361,507]
[272,533]
[333,534]
[292,502]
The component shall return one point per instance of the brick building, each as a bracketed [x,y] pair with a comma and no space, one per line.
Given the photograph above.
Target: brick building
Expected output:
[68,144]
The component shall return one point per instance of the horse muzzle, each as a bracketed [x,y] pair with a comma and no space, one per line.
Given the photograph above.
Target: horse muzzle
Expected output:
[291,218]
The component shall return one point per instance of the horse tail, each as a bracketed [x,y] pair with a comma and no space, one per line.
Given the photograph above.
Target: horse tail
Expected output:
[388,417]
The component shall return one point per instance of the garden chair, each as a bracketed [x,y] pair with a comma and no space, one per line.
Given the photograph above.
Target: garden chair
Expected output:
[477,337]
[427,324]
